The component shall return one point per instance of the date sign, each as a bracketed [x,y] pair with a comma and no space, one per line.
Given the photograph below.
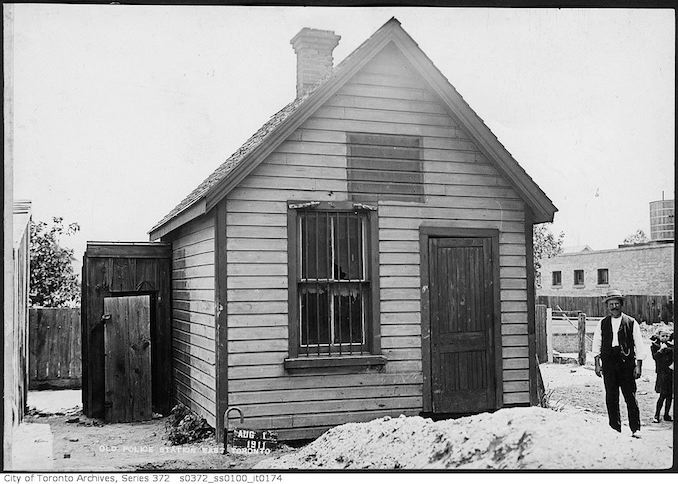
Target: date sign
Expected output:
[246,441]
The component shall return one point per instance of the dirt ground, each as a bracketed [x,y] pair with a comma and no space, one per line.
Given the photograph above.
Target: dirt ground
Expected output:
[577,414]
[579,387]
[572,433]
[84,444]
[510,438]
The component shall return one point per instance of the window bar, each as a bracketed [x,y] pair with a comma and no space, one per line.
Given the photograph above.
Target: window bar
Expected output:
[361,260]
[327,283]
[363,276]
[362,316]
[338,275]
[365,239]
[317,289]
[348,274]
[304,219]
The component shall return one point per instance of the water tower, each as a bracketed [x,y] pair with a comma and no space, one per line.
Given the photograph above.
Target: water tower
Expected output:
[661,220]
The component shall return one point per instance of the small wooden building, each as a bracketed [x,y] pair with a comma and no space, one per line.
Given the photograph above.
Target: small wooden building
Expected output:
[367,252]
[126,330]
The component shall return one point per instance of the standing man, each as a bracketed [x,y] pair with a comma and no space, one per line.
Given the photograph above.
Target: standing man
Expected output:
[618,346]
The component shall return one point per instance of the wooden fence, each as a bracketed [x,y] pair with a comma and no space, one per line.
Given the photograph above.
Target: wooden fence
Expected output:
[54,359]
[563,332]
[650,309]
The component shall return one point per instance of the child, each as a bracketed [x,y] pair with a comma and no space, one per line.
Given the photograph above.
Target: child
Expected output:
[662,352]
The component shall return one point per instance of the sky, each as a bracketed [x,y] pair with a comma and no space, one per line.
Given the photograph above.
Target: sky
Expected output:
[120,111]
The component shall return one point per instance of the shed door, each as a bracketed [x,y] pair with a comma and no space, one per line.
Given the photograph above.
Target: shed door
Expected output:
[127,347]
[462,313]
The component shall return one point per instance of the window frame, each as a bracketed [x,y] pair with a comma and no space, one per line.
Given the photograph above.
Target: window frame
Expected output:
[607,277]
[371,355]
[574,276]
[553,278]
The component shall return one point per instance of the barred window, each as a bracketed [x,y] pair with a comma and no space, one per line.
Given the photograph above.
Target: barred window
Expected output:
[331,280]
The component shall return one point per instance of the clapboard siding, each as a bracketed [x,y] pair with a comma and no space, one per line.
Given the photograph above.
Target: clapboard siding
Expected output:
[313,395]
[325,405]
[462,189]
[193,322]
[392,105]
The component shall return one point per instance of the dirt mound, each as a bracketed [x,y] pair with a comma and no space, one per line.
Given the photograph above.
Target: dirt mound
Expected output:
[517,438]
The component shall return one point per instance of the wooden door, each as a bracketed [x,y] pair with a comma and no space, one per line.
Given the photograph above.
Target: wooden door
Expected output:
[461,315]
[127,351]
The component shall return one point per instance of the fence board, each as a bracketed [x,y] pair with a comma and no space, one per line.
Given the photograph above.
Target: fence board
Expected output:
[540,330]
[650,309]
[55,352]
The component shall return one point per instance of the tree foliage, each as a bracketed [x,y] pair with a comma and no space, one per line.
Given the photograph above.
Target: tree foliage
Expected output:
[53,282]
[546,244]
[638,237]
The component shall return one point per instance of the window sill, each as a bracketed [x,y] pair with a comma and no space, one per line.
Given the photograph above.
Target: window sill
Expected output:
[333,361]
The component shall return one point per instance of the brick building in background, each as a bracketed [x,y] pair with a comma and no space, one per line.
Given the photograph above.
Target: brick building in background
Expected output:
[640,270]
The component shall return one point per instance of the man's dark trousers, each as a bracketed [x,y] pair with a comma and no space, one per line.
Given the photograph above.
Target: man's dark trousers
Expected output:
[619,374]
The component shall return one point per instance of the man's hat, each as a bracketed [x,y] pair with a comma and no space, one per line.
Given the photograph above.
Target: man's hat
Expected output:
[613,294]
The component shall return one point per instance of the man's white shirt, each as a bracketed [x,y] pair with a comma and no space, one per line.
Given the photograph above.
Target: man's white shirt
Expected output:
[638,347]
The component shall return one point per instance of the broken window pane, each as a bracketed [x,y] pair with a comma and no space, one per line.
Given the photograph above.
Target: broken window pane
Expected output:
[349,247]
[315,246]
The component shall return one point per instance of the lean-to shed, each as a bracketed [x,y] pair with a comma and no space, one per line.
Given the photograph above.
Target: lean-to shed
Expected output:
[367,252]
[126,330]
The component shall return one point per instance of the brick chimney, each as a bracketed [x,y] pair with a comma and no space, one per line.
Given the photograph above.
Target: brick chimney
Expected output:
[314,56]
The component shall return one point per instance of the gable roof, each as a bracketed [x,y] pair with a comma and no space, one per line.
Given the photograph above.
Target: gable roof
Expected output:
[281,125]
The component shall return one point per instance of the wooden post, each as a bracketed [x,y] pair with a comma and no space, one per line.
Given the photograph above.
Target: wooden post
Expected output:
[540,332]
[549,334]
[541,390]
[581,333]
